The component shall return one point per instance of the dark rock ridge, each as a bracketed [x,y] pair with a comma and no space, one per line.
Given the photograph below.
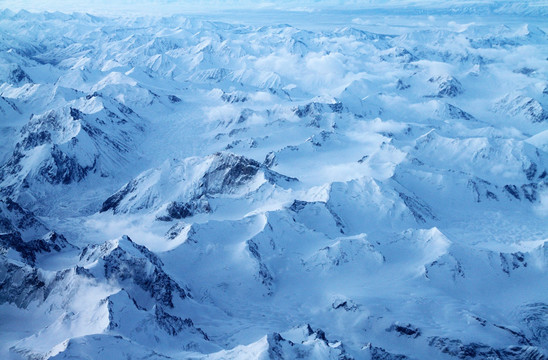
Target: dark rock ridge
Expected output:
[317,109]
[398,54]
[174,325]
[522,106]
[421,211]
[72,145]
[157,324]
[225,174]
[15,219]
[405,330]
[234,97]
[28,250]
[346,305]
[178,210]
[19,284]
[448,86]
[22,232]
[132,265]
[300,206]
[378,353]
[18,76]
[304,345]
[8,107]
[460,350]
[264,275]
[454,112]
[22,284]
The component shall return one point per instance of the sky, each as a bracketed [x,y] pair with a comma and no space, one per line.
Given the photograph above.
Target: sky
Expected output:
[163,7]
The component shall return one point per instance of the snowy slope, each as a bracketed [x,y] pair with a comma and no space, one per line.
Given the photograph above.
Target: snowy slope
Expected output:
[179,187]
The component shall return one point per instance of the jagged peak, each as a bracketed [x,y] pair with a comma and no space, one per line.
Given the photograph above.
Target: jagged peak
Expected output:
[190,182]
[123,245]
[133,265]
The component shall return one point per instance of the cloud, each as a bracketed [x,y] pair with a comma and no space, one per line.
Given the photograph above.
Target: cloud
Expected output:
[315,71]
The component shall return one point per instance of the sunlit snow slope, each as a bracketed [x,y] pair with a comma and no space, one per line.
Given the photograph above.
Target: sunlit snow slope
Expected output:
[185,188]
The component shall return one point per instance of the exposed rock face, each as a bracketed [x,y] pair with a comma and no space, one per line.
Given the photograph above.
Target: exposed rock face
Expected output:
[66,145]
[200,179]
[447,86]
[453,112]
[174,325]
[177,210]
[416,229]
[28,250]
[378,353]
[136,268]
[19,284]
[405,330]
[302,343]
[522,106]
[264,273]
[14,218]
[460,350]
[18,76]
[22,232]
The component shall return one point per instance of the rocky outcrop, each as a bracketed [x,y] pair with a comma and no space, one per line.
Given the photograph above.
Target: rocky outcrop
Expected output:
[135,268]
[20,284]
[523,107]
[467,351]
[198,179]
[447,86]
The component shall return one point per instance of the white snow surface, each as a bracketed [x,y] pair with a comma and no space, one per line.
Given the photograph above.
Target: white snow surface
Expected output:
[363,184]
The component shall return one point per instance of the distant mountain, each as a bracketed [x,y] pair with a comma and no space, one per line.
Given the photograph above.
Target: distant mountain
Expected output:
[370,185]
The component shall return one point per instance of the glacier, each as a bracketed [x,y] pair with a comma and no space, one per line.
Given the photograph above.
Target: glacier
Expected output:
[314,180]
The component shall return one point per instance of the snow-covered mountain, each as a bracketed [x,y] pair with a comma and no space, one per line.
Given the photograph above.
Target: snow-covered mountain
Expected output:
[180,187]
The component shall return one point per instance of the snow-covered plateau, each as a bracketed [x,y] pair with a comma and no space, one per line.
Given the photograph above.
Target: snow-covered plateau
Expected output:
[270,184]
